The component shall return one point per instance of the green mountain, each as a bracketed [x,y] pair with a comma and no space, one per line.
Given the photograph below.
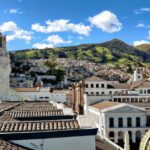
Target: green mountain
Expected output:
[144,48]
[110,52]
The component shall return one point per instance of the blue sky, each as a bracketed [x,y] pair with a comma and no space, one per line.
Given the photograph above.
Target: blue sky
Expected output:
[55,23]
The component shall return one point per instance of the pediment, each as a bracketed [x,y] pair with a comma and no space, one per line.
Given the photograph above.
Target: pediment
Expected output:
[125,109]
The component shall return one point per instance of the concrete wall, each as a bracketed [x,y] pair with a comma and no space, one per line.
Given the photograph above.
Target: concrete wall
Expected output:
[58,97]
[68,143]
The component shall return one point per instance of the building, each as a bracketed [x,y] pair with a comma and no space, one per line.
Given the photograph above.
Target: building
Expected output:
[43,93]
[41,126]
[98,90]
[115,119]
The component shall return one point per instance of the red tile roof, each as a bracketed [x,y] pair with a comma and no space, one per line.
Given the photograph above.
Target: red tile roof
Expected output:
[28,126]
[104,104]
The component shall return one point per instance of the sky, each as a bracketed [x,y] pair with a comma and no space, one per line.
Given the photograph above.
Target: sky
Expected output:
[56,23]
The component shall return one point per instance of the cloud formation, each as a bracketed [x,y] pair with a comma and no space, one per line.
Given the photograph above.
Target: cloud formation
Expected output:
[139,42]
[15,32]
[141,10]
[51,41]
[13,11]
[62,25]
[106,21]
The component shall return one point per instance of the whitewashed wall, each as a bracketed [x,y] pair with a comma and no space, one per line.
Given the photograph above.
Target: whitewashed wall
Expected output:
[58,97]
[68,143]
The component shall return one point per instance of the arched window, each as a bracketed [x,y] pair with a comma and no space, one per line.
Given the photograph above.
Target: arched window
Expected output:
[138,136]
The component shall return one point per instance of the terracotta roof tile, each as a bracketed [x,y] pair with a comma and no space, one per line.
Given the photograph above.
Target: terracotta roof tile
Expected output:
[28,126]
[25,89]
[21,114]
[94,78]
[120,85]
[104,104]
[6,145]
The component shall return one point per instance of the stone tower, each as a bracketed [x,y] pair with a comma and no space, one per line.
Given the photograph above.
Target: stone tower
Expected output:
[4,70]
[138,75]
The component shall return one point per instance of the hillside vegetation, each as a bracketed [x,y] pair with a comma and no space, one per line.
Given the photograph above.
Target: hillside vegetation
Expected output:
[112,52]
[144,47]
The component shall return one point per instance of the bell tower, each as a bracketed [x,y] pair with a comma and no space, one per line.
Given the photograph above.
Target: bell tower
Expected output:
[2,45]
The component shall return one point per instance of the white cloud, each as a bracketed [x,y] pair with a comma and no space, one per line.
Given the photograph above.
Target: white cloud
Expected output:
[140,25]
[51,41]
[13,11]
[141,10]
[145,9]
[139,42]
[15,32]
[61,25]
[106,21]
[56,39]
[80,37]
[42,45]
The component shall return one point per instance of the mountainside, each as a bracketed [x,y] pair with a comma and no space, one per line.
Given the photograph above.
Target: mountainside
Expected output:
[144,47]
[114,51]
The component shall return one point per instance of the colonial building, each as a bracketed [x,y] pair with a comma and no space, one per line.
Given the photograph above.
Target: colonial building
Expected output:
[115,119]
[98,90]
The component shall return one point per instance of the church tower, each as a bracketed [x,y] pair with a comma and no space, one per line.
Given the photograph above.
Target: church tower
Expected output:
[5,70]
[138,75]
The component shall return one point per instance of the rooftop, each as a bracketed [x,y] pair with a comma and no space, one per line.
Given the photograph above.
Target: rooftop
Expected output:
[28,126]
[94,78]
[37,113]
[6,145]
[104,104]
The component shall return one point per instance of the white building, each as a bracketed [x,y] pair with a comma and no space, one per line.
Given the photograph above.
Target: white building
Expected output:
[34,94]
[98,89]
[137,75]
[115,119]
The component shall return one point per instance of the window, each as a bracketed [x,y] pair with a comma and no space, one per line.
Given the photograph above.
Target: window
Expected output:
[97,85]
[110,92]
[97,93]
[120,122]
[119,99]
[86,93]
[138,122]
[46,97]
[129,122]
[148,91]
[141,91]
[86,85]
[102,85]
[103,93]
[138,77]
[41,97]
[115,99]
[92,85]
[111,122]
[92,93]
